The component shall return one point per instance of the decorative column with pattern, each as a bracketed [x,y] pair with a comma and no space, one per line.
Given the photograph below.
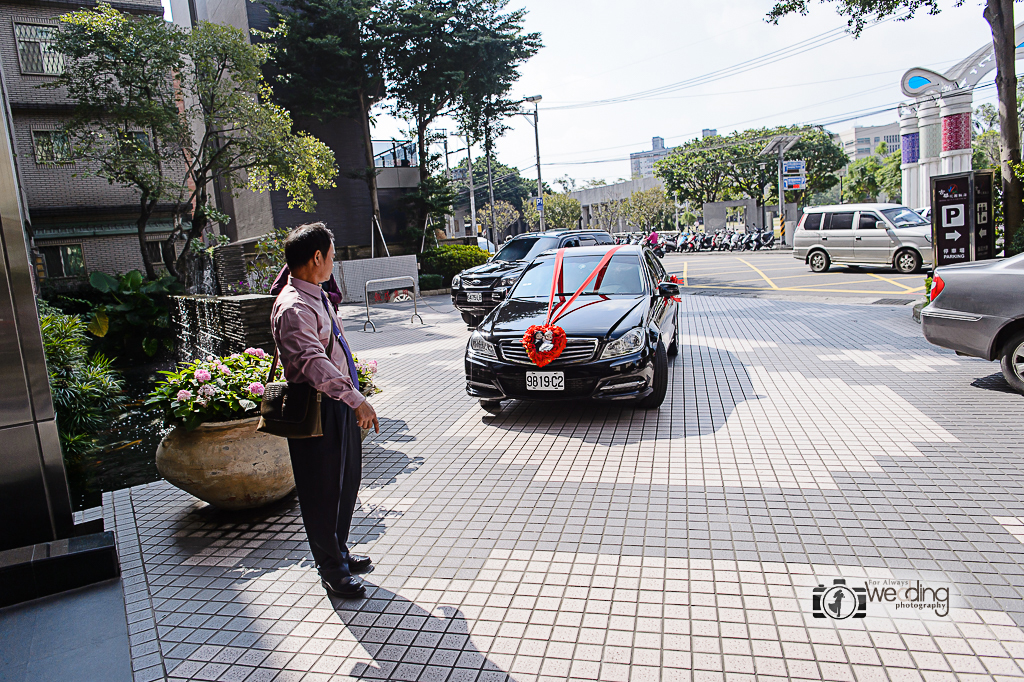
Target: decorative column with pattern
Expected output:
[956,131]
[930,129]
[910,144]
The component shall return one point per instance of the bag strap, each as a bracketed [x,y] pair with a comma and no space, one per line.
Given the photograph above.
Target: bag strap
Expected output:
[273,364]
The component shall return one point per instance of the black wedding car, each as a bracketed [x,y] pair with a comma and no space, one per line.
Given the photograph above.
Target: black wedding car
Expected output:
[620,332]
[477,290]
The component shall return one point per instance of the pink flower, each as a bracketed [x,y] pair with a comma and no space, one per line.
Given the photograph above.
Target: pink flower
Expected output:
[224,369]
[235,356]
[210,358]
[207,391]
[258,352]
[184,395]
[256,388]
[203,375]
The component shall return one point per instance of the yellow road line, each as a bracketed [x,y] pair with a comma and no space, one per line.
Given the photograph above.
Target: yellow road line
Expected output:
[763,276]
[890,281]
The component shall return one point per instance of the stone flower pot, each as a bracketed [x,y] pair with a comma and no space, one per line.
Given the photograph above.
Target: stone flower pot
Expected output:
[228,464]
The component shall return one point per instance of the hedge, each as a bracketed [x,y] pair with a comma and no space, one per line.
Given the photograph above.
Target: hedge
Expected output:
[431,282]
[448,261]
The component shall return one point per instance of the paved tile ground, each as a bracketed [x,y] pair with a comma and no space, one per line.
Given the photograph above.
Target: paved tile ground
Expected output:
[800,443]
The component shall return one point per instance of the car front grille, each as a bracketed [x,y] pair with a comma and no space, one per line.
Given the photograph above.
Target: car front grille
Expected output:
[576,351]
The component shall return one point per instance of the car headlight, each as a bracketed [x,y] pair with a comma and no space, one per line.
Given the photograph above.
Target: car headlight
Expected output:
[478,345]
[630,342]
[928,237]
[506,282]
[456,280]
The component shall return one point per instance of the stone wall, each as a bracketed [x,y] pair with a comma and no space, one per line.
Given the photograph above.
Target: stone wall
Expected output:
[220,325]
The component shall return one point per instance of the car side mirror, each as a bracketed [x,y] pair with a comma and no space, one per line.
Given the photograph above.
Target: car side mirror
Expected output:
[668,289]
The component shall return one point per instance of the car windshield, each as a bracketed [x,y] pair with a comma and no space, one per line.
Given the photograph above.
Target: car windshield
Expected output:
[621,275]
[526,248]
[904,217]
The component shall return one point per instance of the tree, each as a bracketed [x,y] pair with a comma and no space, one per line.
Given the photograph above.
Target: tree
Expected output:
[862,180]
[561,212]
[509,184]
[999,15]
[647,208]
[608,213]
[695,172]
[125,124]
[243,139]
[505,216]
[890,175]
[327,60]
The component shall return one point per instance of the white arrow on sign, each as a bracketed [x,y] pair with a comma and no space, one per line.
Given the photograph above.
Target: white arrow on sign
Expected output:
[954,235]
[982,233]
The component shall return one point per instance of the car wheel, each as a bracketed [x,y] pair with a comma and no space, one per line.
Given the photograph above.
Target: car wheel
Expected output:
[654,400]
[491,406]
[819,261]
[907,262]
[471,320]
[1012,362]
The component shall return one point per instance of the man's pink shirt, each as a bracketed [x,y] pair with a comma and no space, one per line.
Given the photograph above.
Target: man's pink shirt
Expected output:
[302,331]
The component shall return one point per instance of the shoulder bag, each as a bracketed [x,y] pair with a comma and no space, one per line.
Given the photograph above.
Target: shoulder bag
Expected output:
[289,409]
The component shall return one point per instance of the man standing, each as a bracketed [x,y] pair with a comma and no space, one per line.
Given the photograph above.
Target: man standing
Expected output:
[327,468]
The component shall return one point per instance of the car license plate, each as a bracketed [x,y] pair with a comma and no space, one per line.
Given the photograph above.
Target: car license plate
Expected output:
[545,381]
[475,297]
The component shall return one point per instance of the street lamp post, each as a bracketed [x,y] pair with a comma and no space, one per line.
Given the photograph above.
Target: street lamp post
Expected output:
[536,135]
[780,144]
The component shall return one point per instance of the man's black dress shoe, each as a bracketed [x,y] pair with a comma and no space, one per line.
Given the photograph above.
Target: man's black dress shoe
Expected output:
[345,587]
[359,564]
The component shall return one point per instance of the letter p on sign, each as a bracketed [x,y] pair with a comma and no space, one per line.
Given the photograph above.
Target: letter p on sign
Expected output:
[953,215]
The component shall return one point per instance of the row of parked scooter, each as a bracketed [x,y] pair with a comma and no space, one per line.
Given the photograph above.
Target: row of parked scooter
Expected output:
[723,240]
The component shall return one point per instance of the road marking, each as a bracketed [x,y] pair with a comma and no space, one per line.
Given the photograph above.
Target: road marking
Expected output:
[763,276]
[686,266]
[892,281]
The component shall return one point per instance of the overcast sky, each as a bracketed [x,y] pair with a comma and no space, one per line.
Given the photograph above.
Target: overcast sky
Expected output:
[599,49]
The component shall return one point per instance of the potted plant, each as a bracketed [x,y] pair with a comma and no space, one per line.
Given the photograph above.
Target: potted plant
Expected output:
[214,452]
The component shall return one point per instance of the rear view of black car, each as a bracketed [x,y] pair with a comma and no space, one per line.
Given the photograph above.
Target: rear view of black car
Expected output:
[619,331]
[477,290]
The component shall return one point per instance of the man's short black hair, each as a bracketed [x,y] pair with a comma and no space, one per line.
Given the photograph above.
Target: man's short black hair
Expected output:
[304,241]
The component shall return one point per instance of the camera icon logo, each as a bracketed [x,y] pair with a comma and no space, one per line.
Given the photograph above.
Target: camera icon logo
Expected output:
[839,601]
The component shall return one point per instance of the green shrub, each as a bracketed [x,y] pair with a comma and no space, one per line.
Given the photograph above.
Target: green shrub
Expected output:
[448,261]
[429,282]
[134,316]
[87,391]
[1017,243]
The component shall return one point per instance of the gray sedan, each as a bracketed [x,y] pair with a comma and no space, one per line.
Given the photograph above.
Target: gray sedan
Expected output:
[977,309]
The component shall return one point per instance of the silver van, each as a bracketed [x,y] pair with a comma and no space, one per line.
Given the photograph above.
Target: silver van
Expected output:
[863,234]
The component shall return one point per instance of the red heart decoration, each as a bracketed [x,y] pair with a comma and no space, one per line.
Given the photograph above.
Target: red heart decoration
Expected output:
[557,338]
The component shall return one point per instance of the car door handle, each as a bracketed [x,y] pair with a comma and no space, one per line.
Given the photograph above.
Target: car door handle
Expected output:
[858,238]
[824,239]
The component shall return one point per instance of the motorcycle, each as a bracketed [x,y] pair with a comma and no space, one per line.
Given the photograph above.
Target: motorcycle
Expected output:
[767,239]
[736,241]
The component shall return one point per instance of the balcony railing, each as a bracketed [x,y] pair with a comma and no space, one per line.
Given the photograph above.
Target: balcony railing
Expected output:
[394,153]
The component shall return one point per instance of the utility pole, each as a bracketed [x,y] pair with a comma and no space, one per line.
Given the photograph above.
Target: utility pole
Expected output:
[782,203]
[536,136]
[490,182]
[472,188]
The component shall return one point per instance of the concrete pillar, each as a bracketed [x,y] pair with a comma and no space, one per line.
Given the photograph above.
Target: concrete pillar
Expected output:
[929,126]
[910,146]
[956,111]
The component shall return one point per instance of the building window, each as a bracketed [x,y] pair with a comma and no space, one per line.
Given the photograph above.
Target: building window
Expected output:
[156,254]
[63,261]
[35,50]
[52,146]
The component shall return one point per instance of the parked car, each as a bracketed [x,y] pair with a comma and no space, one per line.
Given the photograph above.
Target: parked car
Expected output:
[977,309]
[925,212]
[621,331]
[477,290]
[863,234]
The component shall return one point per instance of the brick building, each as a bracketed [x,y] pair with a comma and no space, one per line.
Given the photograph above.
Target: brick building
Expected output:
[79,222]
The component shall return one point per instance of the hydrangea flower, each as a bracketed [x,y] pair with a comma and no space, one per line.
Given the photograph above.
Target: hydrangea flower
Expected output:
[202,375]
[224,369]
[210,358]
[256,388]
[207,391]
[184,395]
[258,352]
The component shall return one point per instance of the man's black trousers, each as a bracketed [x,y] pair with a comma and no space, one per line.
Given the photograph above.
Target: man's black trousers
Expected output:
[327,474]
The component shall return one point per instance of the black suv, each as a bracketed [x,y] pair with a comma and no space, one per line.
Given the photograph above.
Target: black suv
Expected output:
[476,291]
